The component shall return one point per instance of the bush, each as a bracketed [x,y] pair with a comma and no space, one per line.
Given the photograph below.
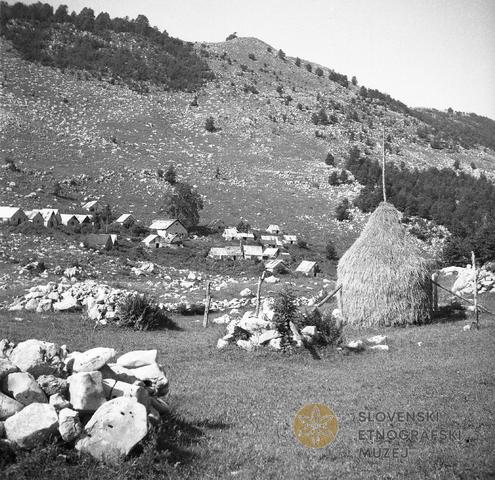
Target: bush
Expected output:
[281,54]
[141,312]
[330,251]
[171,175]
[328,328]
[330,160]
[210,125]
[342,210]
[252,56]
[319,72]
[302,243]
[231,36]
[285,312]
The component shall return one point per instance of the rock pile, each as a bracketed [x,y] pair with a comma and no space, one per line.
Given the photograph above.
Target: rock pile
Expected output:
[251,331]
[100,300]
[101,405]
[464,283]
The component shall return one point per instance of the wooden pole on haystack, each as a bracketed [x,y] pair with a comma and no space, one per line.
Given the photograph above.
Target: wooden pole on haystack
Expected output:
[383,166]
[207,304]
[475,290]
[258,293]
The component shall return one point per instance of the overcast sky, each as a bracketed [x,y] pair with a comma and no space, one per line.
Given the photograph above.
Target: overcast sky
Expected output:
[433,53]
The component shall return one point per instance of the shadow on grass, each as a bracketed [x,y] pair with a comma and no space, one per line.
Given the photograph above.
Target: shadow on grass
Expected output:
[449,313]
[168,446]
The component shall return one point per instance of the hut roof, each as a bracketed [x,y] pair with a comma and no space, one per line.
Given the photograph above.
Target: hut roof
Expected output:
[385,278]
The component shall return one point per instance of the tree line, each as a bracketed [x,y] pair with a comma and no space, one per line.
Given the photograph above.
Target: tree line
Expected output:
[461,202]
[160,59]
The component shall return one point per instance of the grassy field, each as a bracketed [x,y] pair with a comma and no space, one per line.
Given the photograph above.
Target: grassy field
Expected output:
[233,410]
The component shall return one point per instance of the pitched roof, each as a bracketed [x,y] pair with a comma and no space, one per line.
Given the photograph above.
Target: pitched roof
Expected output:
[230,232]
[150,238]
[305,266]
[99,239]
[270,265]
[270,252]
[273,227]
[8,212]
[66,217]
[32,214]
[163,224]
[90,204]
[83,217]
[290,238]
[255,250]
[124,217]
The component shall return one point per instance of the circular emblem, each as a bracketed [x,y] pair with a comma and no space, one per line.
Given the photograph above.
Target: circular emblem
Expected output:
[315,425]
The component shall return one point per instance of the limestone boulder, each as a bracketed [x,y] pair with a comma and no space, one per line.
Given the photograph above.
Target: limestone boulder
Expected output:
[51,384]
[268,335]
[137,358]
[23,387]
[93,359]
[86,391]
[69,424]
[6,367]
[32,426]
[67,304]
[114,429]
[58,401]
[115,388]
[35,357]
[9,406]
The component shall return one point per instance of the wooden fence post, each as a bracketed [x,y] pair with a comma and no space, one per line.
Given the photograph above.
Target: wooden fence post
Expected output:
[207,304]
[434,289]
[475,290]
[258,293]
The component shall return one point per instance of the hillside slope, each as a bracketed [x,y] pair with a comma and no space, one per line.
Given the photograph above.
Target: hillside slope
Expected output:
[108,140]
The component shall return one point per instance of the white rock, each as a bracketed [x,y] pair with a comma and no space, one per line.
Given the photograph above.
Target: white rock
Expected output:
[276,343]
[355,345]
[6,367]
[272,279]
[86,391]
[51,384]
[309,330]
[67,304]
[223,320]
[32,426]
[137,358]
[268,335]
[251,323]
[58,401]
[245,344]
[35,357]
[114,429]
[9,406]
[69,424]
[246,293]
[116,388]
[93,359]
[44,305]
[221,343]
[466,327]
[23,387]
[379,347]
[32,304]
[377,339]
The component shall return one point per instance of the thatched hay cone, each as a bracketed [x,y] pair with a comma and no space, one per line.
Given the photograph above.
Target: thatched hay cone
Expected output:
[385,279]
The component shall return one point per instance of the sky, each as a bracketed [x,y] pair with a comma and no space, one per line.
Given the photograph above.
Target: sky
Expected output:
[426,53]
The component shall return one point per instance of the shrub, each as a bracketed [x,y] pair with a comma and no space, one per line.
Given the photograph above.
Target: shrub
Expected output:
[159,172]
[328,328]
[330,160]
[285,312]
[231,36]
[210,125]
[309,67]
[333,179]
[9,161]
[319,72]
[194,101]
[330,251]
[473,166]
[141,312]
[171,175]
[302,243]
[281,54]
[244,68]
[342,210]
[252,56]
[354,81]
[298,62]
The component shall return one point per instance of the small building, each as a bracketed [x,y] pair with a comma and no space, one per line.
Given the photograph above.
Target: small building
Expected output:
[153,241]
[51,217]
[245,236]
[289,239]
[223,253]
[253,252]
[273,229]
[308,268]
[216,225]
[171,239]
[12,216]
[35,217]
[276,266]
[69,220]
[169,226]
[230,233]
[271,241]
[93,206]
[270,252]
[125,220]
[99,241]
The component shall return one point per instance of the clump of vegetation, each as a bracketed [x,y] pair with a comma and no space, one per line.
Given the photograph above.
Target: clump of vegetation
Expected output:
[342,210]
[331,251]
[231,36]
[9,161]
[286,312]
[329,329]
[210,125]
[281,54]
[99,46]
[170,175]
[183,203]
[330,160]
[320,117]
[141,312]
[251,56]
[319,72]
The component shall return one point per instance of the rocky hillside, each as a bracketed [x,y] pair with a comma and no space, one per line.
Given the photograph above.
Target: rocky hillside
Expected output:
[275,120]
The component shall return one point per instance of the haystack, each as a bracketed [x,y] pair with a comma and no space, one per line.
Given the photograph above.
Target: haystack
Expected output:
[384,276]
